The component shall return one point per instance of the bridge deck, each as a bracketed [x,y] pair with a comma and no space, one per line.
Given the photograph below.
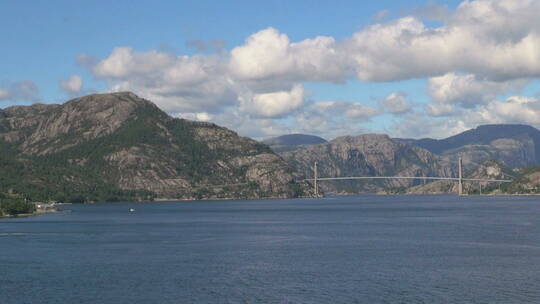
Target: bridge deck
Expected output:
[409,177]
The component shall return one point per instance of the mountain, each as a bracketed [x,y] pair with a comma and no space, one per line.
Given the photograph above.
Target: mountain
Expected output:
[119,146]
[487,170]
[528,182]
[291,142]
[513,145]
[367,155]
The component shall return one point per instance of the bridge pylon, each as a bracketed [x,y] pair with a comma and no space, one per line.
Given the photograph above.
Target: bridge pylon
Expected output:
[315,180]
[460,176]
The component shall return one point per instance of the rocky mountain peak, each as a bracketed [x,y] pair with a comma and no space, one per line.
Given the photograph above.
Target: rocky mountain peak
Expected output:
[25,111]
[514,145]
[362,139]
[100,146]
[118,102]
[43,129]
[367,155]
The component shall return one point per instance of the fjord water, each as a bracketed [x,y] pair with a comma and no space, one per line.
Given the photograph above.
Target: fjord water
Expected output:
[349,249]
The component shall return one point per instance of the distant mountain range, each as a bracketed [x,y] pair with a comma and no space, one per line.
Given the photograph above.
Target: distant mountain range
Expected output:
[118,146]
[508,146]
[292,141]
[513,145]
[367,155]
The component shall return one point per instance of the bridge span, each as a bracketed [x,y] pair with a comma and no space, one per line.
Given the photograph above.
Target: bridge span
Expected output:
[460,179]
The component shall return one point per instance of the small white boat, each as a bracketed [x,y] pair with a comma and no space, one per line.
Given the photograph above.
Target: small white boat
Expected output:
[131,210]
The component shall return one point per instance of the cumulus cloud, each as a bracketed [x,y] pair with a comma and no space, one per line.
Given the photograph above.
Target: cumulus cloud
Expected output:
[334,118]
[440,109]
[72,85]
[351,110]
[515,109]
[493,39]
[468,90]
[270,54]
[396,103]
[416,125]
[476,53]
[178,84]
[274,104]
[200,116]
[124,62]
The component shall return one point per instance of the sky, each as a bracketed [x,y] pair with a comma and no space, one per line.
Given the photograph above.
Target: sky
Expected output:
[266,68]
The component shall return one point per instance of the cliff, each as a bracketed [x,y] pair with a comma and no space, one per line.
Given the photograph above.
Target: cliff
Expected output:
[119,146]
[367,155]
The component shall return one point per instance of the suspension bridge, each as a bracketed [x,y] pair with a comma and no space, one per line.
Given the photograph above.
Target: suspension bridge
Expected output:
[459,179]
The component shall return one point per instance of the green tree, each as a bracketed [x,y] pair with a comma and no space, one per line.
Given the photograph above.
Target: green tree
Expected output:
[15,206]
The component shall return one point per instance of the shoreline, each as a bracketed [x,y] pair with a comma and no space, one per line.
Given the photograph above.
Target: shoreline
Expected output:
[23,215]
[172,200]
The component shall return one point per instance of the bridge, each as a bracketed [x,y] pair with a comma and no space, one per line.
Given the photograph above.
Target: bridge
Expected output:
[460,179]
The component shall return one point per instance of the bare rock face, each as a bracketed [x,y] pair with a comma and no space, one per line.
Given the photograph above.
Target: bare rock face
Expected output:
[509,151]
[529,182]
[513,145]
[488,170]
[125,142]
[18,122]
[367,155]
[81,119]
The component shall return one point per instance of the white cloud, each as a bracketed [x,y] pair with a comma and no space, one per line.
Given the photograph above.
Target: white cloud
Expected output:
[334,118]
[270,54]
[515,109]
[72,85]
[252,126]
[468,90]
[124,62]
[440,109]
[492,39]
[396,103]
[178,84]
[418,126]
[339,108]
[274,104]
[480,51]
[200,116]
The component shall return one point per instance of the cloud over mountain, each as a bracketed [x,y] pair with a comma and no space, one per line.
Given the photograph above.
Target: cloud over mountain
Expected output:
[480,51]
[72,85]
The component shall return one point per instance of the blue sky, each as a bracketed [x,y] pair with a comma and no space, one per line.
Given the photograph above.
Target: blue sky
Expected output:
[43,39]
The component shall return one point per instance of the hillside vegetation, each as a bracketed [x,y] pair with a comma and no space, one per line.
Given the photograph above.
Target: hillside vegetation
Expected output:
[112,147]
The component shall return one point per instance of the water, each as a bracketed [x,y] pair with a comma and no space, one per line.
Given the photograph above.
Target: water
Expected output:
[357,249]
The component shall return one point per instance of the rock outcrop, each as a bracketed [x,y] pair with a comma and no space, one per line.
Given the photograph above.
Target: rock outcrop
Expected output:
[120,143]
[512,145]
[488,170]
[368,155]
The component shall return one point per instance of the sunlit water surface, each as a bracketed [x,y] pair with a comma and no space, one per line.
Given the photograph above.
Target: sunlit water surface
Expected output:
[355,249]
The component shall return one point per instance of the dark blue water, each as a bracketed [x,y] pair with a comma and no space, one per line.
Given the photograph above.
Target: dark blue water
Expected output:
[357,249]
